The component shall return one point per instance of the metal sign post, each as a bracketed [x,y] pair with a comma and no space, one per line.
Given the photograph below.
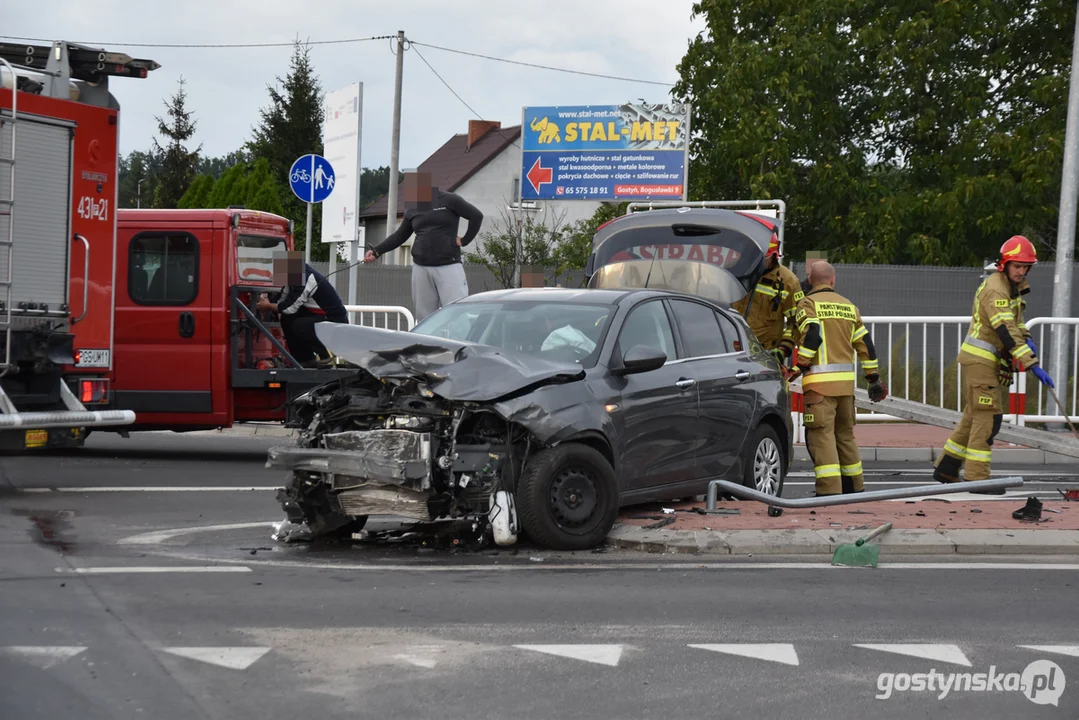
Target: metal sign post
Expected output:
[312,179]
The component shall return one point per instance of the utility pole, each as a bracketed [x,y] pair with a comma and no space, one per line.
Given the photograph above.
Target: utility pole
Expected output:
[395,139]
[1069,185]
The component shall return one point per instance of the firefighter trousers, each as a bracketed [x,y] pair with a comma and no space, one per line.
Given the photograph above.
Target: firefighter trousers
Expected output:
[970,444]
[829,428]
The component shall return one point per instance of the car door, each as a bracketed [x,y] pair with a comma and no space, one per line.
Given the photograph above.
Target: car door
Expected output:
[657,409]
[725,406]
[163,339]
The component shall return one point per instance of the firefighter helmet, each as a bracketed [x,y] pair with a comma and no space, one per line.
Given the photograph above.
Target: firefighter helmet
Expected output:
[1016,249]
[773,247]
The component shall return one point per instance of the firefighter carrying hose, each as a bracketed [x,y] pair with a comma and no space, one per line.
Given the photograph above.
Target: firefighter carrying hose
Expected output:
[831,337]
[775,299]
[997,344]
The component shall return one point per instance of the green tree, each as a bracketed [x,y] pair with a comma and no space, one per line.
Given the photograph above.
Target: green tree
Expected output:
[138,173]
[903,132]
[540,241]
[374,183]
[178,164]
[198,193]
[248,185]
[576,245]
[289,127]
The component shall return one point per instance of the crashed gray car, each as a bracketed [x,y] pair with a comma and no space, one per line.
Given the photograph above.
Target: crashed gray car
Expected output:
[543,411]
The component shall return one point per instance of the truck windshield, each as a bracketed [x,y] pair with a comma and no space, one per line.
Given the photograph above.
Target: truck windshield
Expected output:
[254,257]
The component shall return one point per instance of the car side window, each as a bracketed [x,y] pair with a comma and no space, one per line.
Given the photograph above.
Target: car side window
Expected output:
[163,268]
[699,328]
[647,325]
[731,336]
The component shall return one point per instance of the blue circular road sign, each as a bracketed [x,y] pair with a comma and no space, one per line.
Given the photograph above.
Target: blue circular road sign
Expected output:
[311,178]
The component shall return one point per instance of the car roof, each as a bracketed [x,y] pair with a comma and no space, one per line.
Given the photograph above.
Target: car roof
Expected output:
[574,295]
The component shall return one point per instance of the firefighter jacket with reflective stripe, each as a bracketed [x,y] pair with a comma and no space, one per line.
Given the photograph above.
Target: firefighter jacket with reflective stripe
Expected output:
[775,300]
[831,337]
[997,332]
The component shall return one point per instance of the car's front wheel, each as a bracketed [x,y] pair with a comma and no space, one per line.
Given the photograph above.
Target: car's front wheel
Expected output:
[764,462]
[567,497]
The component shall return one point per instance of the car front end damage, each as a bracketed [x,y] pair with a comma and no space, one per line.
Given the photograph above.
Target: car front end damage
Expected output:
[425,430]
[380,447]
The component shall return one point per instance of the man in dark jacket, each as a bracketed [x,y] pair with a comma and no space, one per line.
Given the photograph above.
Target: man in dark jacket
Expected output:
[307,299]
[438,277]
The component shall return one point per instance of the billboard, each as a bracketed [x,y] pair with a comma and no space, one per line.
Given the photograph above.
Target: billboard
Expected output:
[341,134]
[633,151]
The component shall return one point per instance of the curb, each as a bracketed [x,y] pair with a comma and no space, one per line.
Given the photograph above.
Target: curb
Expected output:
[825,542]
[1025,456]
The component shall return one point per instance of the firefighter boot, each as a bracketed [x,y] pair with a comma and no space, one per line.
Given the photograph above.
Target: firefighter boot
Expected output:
[947,468]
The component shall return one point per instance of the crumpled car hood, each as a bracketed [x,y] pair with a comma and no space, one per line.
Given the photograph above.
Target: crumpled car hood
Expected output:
[453,370]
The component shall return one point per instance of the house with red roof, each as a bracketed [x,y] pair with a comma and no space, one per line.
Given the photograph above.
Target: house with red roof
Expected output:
[483,166]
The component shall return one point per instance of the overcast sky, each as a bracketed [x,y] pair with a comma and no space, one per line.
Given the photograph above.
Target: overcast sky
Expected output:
[641,39]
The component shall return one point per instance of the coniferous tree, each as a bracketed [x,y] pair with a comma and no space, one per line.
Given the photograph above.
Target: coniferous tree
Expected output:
[178,164]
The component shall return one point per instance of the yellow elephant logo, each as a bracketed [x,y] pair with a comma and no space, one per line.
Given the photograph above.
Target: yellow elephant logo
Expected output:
[549,132]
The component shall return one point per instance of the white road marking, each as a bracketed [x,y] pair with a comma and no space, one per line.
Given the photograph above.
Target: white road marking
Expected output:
[774,652]
[599,654]
[234,658]
[1070,650]
[43,656]
[941,652]
[121,570]
[141,489]
[160,536]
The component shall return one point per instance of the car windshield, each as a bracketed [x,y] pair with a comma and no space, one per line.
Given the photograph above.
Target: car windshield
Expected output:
[550,330]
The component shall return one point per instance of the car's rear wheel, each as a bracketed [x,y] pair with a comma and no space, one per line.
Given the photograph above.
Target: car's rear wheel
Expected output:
[567,498]
[764,462]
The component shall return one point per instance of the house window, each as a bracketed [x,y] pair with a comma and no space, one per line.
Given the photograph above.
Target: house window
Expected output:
[163,268]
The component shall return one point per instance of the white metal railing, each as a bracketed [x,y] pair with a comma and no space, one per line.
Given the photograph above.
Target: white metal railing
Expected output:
[1062,377]
[898,371]
[358,314]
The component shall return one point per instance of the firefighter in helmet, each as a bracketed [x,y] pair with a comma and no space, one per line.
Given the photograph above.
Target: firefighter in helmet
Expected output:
[774,301]
[831,339]
[997,344]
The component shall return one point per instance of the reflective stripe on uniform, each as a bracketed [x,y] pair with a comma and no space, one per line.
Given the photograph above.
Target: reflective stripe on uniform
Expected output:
[823,471]
[870,364]
[855,469]
[837,367]
[967,453]
[807,322]
[1001,317]
[859,334]
[765,290]
[1020,350]
[804,352]
[980,348]
[827,377]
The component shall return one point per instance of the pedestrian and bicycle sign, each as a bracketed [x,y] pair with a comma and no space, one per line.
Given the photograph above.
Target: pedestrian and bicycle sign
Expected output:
[311,178]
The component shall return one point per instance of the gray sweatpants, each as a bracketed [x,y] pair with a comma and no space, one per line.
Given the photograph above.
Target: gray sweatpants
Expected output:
[436,285]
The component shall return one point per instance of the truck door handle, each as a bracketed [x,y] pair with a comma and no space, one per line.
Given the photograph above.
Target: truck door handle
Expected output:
[741,375]
[187,325]
[685,383]
[85,279]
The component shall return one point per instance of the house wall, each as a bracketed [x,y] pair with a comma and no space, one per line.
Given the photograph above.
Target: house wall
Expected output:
[492,191]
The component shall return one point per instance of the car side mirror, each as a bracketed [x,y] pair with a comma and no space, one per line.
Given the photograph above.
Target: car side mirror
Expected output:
[640,359]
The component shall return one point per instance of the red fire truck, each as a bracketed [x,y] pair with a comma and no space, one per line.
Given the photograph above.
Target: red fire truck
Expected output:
[59,127]
[192,352]
[121,320]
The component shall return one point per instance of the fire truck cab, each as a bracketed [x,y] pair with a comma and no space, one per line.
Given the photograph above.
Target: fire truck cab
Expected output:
[59,129]
[191,351]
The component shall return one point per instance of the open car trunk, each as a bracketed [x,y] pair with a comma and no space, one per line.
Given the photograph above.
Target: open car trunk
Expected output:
[712,253]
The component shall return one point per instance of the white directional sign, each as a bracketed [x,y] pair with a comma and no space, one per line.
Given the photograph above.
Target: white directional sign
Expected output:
[341,134]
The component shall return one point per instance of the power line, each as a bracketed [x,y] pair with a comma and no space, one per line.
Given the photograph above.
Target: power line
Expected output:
[455,94]
[345,41]
[542,67]
[206,45]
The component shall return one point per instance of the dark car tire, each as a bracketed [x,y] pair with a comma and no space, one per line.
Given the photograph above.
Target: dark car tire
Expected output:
[567,498]
[764,456]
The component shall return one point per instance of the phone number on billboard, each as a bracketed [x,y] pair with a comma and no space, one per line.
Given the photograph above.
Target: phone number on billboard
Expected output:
[584,190]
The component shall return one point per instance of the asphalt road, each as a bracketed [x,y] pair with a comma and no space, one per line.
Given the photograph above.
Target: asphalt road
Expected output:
[138,579]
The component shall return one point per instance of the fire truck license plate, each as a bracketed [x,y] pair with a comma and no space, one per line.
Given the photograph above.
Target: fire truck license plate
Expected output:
[37,438]
[92,358]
